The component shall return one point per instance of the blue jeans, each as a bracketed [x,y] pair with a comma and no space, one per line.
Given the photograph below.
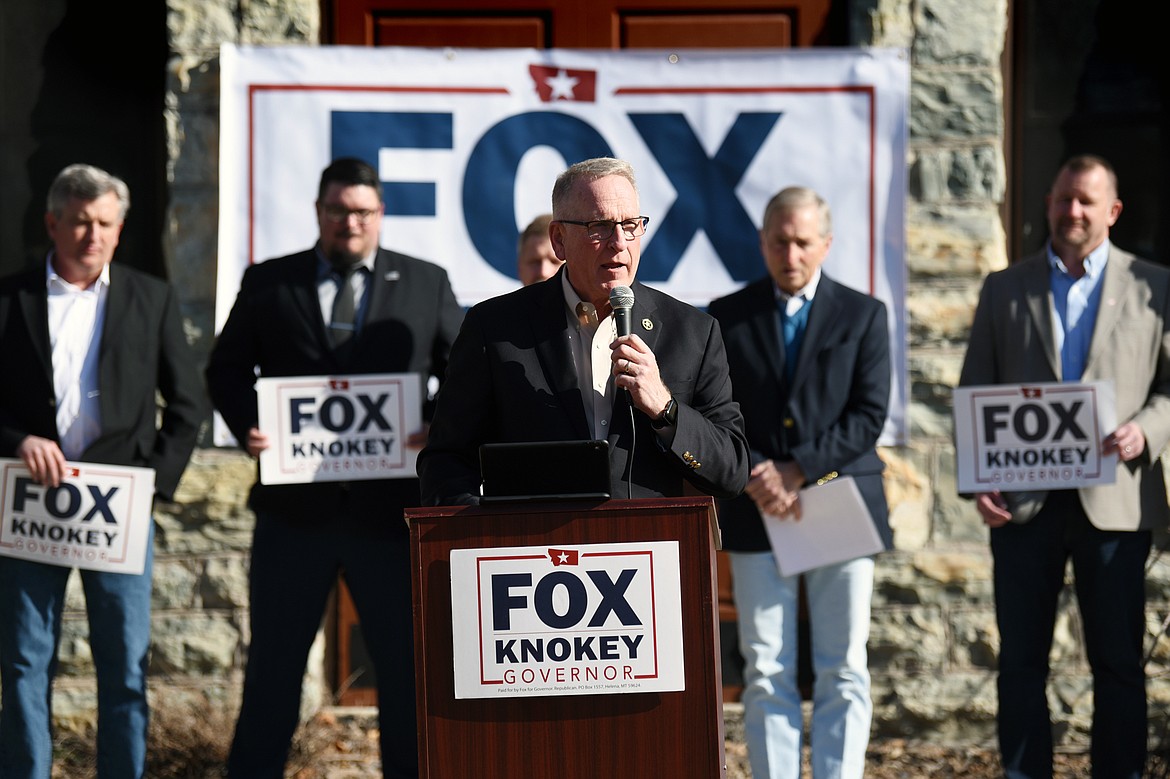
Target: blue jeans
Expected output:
[294,567]
[767,607]
[32,596]
[1109,574]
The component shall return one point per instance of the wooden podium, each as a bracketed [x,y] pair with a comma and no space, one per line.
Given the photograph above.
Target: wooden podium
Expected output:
[633,734]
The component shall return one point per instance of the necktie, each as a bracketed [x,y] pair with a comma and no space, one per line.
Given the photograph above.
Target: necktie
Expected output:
[793,325]
[342,324]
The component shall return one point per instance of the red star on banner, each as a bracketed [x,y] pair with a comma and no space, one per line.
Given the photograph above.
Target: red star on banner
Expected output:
[1032,392]
[563,556]
[569,84]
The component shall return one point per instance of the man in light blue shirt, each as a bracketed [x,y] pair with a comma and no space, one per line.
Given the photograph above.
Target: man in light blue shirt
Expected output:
[1084,310]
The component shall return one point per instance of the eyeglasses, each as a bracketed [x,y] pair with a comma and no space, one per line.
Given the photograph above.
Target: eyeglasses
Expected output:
[602,229]
[339,214]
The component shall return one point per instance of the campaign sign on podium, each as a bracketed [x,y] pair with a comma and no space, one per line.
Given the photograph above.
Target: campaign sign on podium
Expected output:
[572,620]
[97,518]
[575,639]
[338,428]
[1015,437]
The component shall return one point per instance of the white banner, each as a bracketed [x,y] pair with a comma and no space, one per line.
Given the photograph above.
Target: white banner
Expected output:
[577,620]
[338,428]
[1017,437]
[98,518]
[469,142]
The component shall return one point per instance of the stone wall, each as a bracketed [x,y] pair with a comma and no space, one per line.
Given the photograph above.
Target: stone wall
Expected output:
[934,638]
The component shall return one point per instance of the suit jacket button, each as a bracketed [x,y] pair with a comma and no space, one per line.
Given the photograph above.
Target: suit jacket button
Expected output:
[789,422]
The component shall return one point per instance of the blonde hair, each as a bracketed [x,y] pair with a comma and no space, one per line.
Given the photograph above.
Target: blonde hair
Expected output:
[537,228]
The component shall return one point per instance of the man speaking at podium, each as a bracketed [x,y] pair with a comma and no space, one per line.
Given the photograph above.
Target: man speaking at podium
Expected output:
[551,362]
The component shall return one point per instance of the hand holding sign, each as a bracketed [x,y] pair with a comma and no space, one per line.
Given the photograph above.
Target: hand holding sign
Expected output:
[43,458]
[1127,442]
[98,517]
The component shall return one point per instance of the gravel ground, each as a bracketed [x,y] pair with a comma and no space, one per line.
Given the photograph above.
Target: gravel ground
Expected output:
[339,744]
[351,749]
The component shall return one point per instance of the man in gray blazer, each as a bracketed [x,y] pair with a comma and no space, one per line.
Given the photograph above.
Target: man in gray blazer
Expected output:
[87,346]
[545,363]
[396,314]
[1081,310]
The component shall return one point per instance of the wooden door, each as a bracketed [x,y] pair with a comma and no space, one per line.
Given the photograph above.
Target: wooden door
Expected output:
[596,24]
[567,24]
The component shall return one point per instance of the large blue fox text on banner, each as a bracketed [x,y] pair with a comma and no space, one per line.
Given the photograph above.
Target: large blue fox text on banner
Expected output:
[469,141]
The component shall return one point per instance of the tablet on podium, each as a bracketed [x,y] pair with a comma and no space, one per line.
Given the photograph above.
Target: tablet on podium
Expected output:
[544,470]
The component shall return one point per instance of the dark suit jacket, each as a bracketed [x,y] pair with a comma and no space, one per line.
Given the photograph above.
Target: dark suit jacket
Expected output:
[829,420]
[143,352]
[276,325]
[1012,343]
[512,378]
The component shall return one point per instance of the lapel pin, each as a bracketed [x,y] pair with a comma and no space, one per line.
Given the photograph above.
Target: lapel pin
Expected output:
[647,324]
[392,275]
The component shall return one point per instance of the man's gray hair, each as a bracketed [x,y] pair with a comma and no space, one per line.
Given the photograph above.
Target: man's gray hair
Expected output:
[791,198]
[589,170]
[86,182]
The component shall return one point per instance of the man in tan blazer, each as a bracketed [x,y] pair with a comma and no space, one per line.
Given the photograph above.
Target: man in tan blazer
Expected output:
[1081,310]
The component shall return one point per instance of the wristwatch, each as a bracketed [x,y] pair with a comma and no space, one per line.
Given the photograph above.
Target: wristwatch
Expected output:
[668,417]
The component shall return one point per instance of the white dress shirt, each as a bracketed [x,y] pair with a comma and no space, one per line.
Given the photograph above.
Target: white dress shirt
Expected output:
[76,317]
[590,340]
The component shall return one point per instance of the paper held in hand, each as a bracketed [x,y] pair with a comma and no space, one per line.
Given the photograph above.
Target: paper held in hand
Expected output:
[835,526]
[98,518]
[1033,437]
[338,428]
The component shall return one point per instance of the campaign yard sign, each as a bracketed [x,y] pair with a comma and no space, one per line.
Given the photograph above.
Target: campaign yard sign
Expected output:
[97,518]
[1013,437]
[571,620]
[338,428]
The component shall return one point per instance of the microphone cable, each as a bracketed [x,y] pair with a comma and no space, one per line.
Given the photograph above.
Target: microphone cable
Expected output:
[633,443]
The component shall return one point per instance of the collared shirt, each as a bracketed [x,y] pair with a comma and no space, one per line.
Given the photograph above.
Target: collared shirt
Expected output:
[1075,303]
[589,340]
[793,303]
[76,318]
[329,282]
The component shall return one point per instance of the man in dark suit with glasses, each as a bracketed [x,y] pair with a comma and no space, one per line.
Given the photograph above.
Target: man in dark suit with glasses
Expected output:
[345,306]
[546,363]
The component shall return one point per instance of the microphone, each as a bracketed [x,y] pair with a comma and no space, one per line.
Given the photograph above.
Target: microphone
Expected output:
[621,300]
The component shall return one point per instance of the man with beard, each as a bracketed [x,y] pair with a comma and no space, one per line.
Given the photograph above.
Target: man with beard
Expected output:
[1080,310]
[344,307]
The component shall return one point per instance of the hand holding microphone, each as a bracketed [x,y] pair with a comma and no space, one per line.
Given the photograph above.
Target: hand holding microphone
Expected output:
[635,368]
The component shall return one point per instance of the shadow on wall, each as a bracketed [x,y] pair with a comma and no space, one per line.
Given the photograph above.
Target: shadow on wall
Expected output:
[101,102]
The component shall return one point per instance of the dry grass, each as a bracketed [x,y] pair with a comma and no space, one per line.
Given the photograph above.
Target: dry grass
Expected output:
[191,741]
